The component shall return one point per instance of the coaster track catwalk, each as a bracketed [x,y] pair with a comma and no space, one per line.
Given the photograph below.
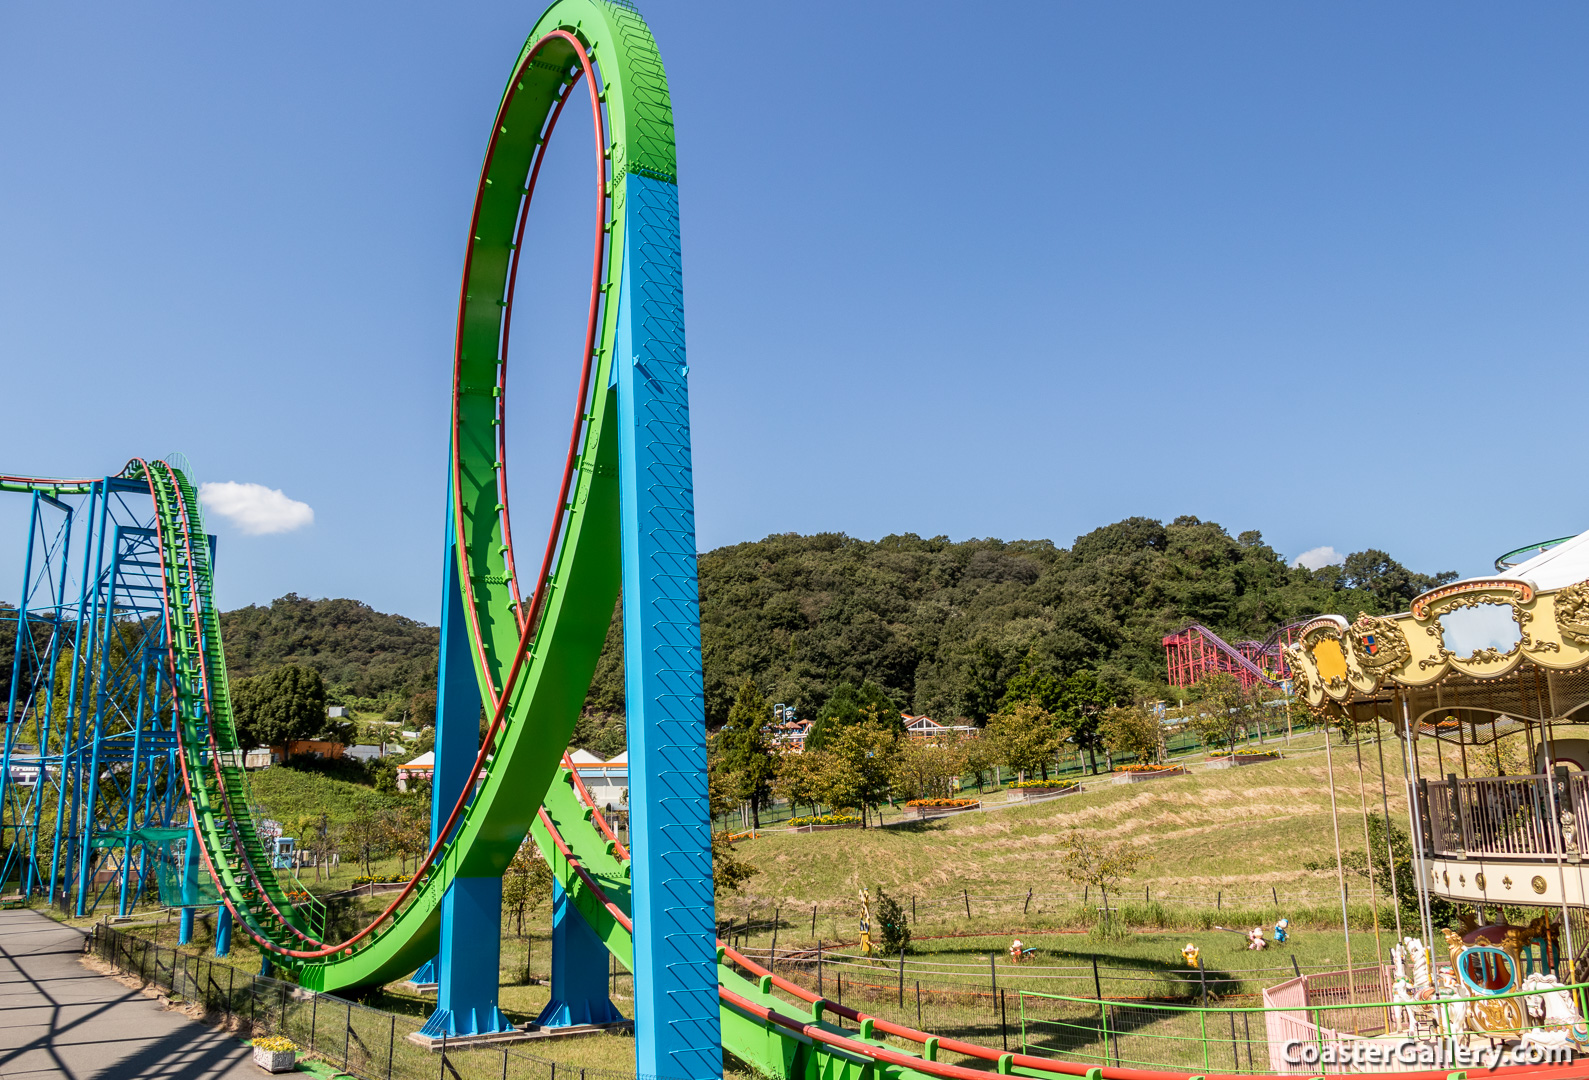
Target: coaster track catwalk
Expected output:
[623,519]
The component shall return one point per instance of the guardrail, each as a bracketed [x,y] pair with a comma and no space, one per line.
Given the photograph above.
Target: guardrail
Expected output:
[1504,816]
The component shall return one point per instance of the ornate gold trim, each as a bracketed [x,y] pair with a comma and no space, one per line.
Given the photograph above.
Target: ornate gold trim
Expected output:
[1378,644]
[1572,613]
[1523,590]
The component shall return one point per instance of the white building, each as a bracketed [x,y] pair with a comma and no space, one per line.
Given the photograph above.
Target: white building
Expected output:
[607,781]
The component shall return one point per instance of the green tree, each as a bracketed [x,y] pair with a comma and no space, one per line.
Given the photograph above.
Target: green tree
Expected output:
[862,763]
[729,871]
[893,928]
[526,885]
[1224,708]
[1133,730]
[846,708]
[800,778]
[1103,866]
[1082,701]
[746,749]
[1387,580]
[1026,736]
[928,769]
[1034,683]
[280,707]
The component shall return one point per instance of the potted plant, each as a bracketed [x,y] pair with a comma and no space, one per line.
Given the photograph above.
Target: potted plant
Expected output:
[275,1054]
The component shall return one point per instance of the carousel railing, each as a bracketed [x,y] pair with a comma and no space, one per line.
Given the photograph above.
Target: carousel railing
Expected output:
[1505,815]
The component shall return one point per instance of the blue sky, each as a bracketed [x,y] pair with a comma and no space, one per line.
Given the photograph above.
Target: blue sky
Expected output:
[1314,270]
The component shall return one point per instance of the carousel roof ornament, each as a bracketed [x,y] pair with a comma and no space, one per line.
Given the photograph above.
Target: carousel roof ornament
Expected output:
[1481,648]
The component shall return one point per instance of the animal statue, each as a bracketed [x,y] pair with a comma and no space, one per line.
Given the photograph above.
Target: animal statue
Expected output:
[1193,956]
[1255,939]
[1016,951]
[1558,1023]
[1282,931]
[1415,994]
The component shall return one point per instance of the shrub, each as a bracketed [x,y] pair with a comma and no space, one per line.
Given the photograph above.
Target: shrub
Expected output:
[893,930]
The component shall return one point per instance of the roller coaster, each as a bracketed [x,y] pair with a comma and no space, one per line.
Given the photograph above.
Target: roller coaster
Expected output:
[523,645]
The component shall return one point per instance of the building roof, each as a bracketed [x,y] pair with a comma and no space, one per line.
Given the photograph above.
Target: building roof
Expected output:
[584,759]
[427,760]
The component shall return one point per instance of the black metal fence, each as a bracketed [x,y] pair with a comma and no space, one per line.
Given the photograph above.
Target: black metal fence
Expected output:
[358,1040]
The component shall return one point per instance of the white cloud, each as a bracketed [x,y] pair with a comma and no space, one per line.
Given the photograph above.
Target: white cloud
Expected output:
[1317,557]
[254,508]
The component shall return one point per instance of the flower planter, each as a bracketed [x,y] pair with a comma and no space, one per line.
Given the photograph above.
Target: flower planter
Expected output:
[1231,761]
[1140,776]
[275,1061]
[825,828]
[944,811]
[1031,794]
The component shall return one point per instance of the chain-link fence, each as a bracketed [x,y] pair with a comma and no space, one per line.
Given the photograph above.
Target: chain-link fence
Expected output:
[358,1040]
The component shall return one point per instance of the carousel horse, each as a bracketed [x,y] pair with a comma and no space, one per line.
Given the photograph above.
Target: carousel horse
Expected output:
[1559,1024]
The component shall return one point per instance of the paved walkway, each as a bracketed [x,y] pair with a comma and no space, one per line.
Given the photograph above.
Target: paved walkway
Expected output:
[59,1019]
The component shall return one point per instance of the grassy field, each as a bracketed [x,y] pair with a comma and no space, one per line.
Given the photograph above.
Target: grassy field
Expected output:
[1219,848]
[1214,839]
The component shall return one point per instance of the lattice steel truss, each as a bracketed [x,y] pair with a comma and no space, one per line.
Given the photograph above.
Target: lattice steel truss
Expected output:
[89,755]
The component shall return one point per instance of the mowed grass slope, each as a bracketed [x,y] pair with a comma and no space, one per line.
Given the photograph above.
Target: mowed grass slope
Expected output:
[1240,831]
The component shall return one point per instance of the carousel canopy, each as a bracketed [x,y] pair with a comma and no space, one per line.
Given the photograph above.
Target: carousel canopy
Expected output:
[1513,645]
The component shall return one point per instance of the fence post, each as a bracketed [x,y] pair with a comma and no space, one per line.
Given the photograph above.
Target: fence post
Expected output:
[819,967]
[993,976]
[918,1003]
[967,897]
[347,1038]
[1274,893]
[391,1048]
[912,909]
[1004,1023]
[314,1011]
[504,1063]
[1103,1017]
[902,976]
[814,918]
[442,1073]
[772,953]
[1027,906]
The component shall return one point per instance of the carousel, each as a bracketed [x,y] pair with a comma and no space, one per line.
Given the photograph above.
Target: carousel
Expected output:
[1486,684]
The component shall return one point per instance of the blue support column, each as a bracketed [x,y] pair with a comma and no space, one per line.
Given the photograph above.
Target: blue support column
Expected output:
[677,1031]
[190,883]
[579,970]
[223,930]
[467,966]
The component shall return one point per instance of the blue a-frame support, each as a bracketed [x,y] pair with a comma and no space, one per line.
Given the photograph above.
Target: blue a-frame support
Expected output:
[677,1028]
[466,967]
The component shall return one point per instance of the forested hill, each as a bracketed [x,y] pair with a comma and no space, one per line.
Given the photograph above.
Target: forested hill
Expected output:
[943,626]
[356,649]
